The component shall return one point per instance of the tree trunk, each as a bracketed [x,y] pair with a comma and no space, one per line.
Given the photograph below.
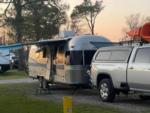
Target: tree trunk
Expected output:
[92,30]
[18,25]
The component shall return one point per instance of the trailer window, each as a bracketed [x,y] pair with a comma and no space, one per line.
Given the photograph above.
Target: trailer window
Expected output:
[67,58]
[76,58]
[88,55]
[60,56]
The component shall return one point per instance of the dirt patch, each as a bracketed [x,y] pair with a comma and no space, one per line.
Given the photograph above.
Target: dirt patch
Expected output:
[18,81]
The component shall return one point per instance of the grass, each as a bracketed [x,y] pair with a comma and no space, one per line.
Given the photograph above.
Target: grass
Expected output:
[18,99]
[13,74]
[15,99]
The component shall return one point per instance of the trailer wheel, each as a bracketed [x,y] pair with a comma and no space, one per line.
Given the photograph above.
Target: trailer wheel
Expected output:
[45,84]
[106,90]
[41,82]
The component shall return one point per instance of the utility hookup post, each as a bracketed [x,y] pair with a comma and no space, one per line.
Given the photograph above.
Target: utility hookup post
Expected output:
[67,104]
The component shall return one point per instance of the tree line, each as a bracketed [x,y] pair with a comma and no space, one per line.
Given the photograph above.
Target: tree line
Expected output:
[42,19]
[32,20]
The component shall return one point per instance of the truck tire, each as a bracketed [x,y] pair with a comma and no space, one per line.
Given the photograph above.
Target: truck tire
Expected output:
[106,90]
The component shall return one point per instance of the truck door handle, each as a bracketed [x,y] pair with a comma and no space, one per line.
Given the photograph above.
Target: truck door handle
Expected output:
[131,68]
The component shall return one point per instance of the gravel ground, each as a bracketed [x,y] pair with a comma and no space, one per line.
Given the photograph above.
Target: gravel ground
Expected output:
[130,103]
[17,81]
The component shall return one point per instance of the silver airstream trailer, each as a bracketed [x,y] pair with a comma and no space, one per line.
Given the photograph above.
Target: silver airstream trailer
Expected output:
[64,60]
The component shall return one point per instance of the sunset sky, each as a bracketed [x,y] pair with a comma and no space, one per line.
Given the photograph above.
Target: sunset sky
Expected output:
[111,20]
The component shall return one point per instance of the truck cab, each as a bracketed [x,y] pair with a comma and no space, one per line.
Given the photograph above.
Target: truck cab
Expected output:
[138,73]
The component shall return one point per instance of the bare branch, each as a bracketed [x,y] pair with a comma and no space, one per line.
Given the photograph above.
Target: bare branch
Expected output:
[28,2]
[5,2]
[88,23]
[5,11]
[95,18]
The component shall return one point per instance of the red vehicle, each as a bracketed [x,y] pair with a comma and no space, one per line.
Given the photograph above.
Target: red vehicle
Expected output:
[141,33]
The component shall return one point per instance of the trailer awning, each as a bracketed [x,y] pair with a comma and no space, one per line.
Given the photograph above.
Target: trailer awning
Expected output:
[50,42]
[11,47]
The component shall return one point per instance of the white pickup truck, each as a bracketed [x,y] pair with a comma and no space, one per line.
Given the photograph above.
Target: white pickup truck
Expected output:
[121,69]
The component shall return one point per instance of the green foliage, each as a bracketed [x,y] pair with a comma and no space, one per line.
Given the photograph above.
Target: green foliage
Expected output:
[87,8]
[88,11]
[36,19]
[43,18]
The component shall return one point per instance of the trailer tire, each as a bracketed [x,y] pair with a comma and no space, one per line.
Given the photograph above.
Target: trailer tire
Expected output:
[45,84]
[106,90]
[40,82]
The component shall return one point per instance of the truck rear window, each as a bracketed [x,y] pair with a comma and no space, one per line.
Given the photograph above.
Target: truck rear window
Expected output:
[119,55]
[103,56]
[115,55]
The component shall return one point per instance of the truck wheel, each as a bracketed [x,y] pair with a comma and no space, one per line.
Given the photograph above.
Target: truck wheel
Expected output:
[106,90]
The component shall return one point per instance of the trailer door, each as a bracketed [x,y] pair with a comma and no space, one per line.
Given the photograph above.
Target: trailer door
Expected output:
[60,65]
